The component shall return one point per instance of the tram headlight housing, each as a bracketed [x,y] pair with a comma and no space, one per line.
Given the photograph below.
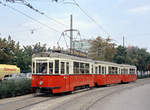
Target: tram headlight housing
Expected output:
[41,82]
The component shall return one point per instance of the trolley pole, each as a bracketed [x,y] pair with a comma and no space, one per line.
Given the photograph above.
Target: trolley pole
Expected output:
[71,33]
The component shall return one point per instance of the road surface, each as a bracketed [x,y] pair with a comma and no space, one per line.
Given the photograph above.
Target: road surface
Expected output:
[132,96]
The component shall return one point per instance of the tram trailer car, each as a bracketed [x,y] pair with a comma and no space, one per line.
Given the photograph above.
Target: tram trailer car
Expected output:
[56,72]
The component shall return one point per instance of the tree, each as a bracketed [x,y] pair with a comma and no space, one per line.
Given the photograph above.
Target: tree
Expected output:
[39,48]
[102,49]
[120,55]
[7,48]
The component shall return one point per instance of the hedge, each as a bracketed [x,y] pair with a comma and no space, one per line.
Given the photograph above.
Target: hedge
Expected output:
[12,88]
[143,76]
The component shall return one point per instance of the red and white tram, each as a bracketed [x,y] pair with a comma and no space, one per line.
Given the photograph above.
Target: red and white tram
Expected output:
[57,72]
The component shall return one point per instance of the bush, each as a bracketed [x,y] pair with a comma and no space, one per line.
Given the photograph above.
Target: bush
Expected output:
[11,88]
[143,76]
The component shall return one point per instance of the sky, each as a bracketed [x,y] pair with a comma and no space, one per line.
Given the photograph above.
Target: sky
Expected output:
[128,18]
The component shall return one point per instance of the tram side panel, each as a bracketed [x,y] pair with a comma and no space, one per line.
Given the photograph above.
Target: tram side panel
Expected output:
[53,83]
[81,80]
[100,80]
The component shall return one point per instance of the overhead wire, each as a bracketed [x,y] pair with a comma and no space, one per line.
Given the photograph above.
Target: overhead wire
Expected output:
[29,17]
[40,12]
[91,18]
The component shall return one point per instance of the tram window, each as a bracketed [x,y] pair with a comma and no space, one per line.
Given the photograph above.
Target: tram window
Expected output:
[62,68]
[37,67]
[51,68]
[122,71]
[96,70]
[125,71]
[87,68]
[82,68]
[109,70]
[103,70]
[132,71]
[99,69]
[67,68]
[56,66]
[76,67]
[92,69]
[41,68]
[115,70]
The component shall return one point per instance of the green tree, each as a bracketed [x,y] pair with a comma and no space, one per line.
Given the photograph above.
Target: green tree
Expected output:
[102,49]
[7,48]
[121,56]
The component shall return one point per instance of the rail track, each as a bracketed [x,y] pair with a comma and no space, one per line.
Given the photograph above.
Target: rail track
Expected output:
[88,96]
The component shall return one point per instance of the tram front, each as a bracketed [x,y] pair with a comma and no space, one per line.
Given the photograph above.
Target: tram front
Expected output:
[42,68]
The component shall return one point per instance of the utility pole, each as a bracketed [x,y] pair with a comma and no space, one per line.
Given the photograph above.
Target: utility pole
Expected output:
[123,42]
[71,33]
[71,38]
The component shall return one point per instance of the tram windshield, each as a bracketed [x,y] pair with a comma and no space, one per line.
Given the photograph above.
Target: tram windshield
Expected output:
[42,67]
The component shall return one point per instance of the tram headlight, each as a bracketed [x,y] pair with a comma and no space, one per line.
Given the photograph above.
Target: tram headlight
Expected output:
[41,82]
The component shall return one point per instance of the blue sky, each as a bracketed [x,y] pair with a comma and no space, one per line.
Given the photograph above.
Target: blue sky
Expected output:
[129,18]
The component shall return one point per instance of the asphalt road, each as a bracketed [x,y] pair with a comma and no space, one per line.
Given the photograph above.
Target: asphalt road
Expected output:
[132,96]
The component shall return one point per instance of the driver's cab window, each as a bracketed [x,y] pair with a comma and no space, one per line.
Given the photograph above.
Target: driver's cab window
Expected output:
[41,67]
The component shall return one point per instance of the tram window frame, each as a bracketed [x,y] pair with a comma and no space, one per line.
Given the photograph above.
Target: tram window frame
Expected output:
[62,66]
[57,66]
[51,65]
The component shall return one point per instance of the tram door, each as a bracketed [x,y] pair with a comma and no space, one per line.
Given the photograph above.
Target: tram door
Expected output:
[67,78]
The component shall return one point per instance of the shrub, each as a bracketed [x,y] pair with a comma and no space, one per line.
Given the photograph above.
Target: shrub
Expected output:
[11,88]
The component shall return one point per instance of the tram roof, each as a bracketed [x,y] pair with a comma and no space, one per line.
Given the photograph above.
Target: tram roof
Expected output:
[126,65]
[106,62]
[61,55]
[71,57]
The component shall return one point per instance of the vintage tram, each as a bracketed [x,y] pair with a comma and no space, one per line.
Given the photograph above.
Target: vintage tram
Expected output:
[56,72]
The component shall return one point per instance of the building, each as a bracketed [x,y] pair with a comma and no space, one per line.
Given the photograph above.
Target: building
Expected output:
[82,45]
